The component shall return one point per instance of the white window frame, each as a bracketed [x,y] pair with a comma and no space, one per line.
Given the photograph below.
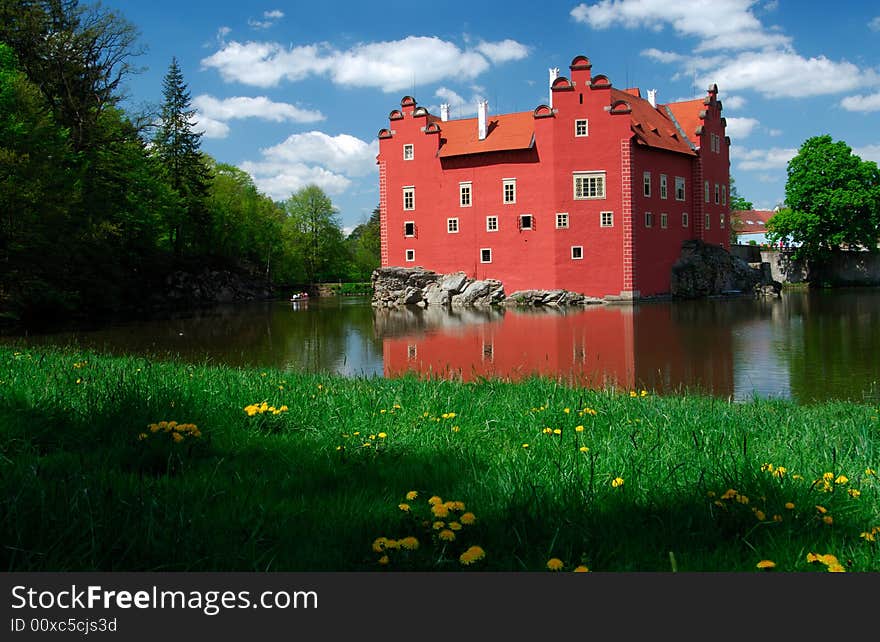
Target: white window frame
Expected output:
[680,185]
[505,183]
[410,191]
[602,219]
[685,219]
[664,183]
[409,152]
[580,250]
[707,222]
[489,221]
[664,220]
[706,191]
[531,226]
[483,256]
[646,184]
[409,236]
[586,178]
[649,219]
[465,193]
[410,256]
[561,220]
[450,224]
[581,133]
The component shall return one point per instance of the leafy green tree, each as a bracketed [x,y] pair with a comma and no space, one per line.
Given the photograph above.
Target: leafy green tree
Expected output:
[364,247]
[177,146]
[315,237]
[832,198]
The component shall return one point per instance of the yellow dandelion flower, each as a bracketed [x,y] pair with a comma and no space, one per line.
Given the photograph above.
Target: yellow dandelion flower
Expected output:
[796,476]
[644,393]
[411,495]
[435,500]
[789,505]
[356,433]
[578,428]
[455,429]
[868,536]
[525,445]
[584,449]
[765,467]
[760,515]
[142,436]
[471,555]
[855,493]
[870,472]
[841,479]
[827,476]
[632,393]
[454,526]
[446,535]
[828,559]
[557,431]
[742,499]
[828,519]
[439,510]
[403,507]
[822,509]
[547,431]
[409,543]
[177,437]
[566,410]
[284,409]
[777,518]
[617,482]
[372,437]
[392,544]
[812,558]
[384,560]
[766,564]
[780,472]
[383,411]
[468,518]
[438,525]
[379,544]
[581,569]
[555,564]
[836,568]
[730,493]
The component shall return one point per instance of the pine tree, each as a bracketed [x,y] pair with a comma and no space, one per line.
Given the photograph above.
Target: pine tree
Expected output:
[177,146]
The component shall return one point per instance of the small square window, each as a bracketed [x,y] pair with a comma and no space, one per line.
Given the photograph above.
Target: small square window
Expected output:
[647,183]
[561,221]
[577,252]
[464,192]
[663,185]
[649,219]
[526,222]
[408,152]
[410,255]
[606,219]
[664,220]
[409,198]
[452,225]
[412,351]
[581,127]
[509,189]
[491,223]
[409,228]
[486,255]
[684,219]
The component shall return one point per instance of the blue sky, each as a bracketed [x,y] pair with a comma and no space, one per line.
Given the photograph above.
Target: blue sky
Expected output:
[295,93]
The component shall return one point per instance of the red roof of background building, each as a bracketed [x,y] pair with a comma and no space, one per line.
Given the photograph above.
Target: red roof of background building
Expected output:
[505,132]
[687,113]
[750,221]
[651,126]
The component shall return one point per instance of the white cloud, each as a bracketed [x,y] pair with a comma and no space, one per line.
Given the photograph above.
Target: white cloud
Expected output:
[785,74]
[861,103]
[868,152]
[662,56]
[275,14]
[772,5]
[722,24]
[504,51]
[390,66]
[247,107]
[740,127]
[210,127]
[330,162]
[774,132]
[874,24]
[733,102]
[459,107]
[762,159]
[269,19]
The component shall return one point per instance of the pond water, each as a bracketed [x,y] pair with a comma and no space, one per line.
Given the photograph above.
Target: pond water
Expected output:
[807,346]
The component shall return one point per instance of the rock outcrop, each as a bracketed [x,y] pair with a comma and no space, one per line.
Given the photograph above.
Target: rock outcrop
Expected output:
[710,270]
[397,286]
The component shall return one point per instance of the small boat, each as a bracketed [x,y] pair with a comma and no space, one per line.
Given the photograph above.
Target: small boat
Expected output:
[300,296]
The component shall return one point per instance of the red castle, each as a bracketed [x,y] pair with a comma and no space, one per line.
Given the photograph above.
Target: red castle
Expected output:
[594,193]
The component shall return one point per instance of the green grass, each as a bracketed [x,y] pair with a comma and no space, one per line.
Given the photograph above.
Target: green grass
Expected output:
[86,485]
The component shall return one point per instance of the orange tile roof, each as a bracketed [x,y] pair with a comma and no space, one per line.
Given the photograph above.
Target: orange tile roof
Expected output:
[750,221]
[652,126]
[505,132]
[687,113]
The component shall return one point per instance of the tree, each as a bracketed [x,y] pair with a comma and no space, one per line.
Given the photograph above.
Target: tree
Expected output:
[176,145]
[312,228]
[364,246]
[832,198]
[737,204]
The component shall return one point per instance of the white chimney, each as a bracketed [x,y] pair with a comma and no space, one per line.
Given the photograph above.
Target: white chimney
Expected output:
[652,97]
[554,74]
[444,112]
[482,116]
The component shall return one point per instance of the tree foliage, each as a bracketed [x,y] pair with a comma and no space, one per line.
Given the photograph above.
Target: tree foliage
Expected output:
[313,232]
[832,198]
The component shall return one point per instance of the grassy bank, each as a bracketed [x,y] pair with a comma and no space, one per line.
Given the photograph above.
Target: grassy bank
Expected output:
[269,470]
